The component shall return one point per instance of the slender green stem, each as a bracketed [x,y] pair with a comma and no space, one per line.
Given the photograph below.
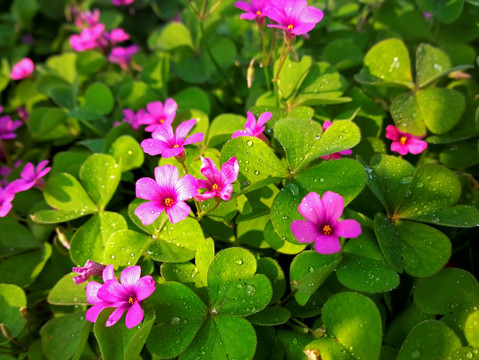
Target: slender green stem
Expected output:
[265,55]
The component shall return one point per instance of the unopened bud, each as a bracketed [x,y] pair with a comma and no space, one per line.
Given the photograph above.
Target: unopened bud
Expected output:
[250,73]
[457,75]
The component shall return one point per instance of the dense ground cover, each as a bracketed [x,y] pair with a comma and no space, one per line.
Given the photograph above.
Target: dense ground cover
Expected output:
[220,180]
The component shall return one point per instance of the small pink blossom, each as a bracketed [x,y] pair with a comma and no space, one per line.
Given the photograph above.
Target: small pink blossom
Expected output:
[405,143]
[253,128]
[122,55]
[167,143]
[166,193]
[117,36]
[253,11]
[22,69]
[321,225]
[8,127]
[90,268]
[7,195]
[219,182]
[87,18]
[131,118]
[122,2]
[125,296]
[337,155]
[295,17]
[89,38]
[31,176]
[159,114]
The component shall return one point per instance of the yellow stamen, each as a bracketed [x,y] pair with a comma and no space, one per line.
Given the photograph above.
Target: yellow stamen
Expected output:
[403,140]
[258,12]
[327,230]
[215,187]
[131,300]
[162,121]
[176,145]
[290,27]
[169,202]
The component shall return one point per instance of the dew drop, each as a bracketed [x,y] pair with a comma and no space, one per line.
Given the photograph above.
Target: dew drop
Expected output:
[415,354]
[249,143]
[239,262]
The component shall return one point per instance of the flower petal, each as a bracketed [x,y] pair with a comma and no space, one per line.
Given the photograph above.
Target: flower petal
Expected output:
[205,196]
[194,138]
[209,170]
[304,231]
[392,132]
[92,292]
[153,146]
[311,207]
[333,206]
[116,315]
[170,107]
[327,244]
[148,212]
[113,292]
[144,287]
[134,315]
[229,171]
[147,188]
[166,177]
[178,212]
[416,146]
[263,118]
[109,274]
[225,193]
[155,109]
[347,228]
[130,276]
[186,187]
[93,312]
[172,151]
[184,128]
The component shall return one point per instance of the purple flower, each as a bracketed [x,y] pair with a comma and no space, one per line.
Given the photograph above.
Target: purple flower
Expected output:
[6,197]
[295,17]
[219,182]
[122,2]
[8,127]
[22,69]
[89,38]
[337,155]
[90,268]
[404,143]
[167,193]
[131,118]
[253,128]
[321,225]
[159,114]
[23,113]
[253,11]
[122,55]
[167,143]
[125,296]
[117,36]
[31,176]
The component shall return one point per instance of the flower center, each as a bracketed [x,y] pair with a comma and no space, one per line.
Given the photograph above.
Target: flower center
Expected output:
[258,12]
[215,187]
[327,230]
[162,121]
[290,27]
[403,140]
[131,300]
[169,202]
[176,146]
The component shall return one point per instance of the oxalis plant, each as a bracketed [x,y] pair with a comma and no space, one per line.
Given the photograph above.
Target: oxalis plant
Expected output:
[273,179]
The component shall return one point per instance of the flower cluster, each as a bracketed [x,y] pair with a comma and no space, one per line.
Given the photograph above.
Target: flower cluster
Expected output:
[295,17]
[94,35]
[126,295]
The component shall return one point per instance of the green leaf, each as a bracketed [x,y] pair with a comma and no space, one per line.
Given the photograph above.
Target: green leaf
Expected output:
[54,216]
[233,287]
[127,152]
[204,257]
[284,210]
[89,62]
[185,273]
[458,216]
[51,124]
[278,243]
[66,292]
[24,11]
[407,115]
[428,340]
[388,62]
[222,128]
[181,314]
[90,239]
[328,349]
[171,37]
[431,63]
[136,95]
[292,75]
[270,316]
[63,65]
[223,337]
[343,53]
[124,247]
[64,192]
[98,99]
[293,343]
[100,175]
[258,164]
[63,96]
[446,11]
[273,271]
[308,271]
[118,342]
[472,330]
[433,187]
[388,179]
[363,268]
[354,321]
[65,337]
[12,299]
[24,240]
[341,135]
[461,156]
[193,98]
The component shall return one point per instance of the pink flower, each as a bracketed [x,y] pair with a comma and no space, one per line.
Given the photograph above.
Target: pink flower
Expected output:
[337,155]
[253,11]
[122,2]
[321,225]
[159,114]
[219,182]
[89,38]
[122,55]
[125,296]
[253,128]
[87,18]
[8,127]
[131,118]
[117,36]
[30,177]
[167,143]
[6,197]
[22,69]
[404,143]
[295,17]
[90,268]
[167,193]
